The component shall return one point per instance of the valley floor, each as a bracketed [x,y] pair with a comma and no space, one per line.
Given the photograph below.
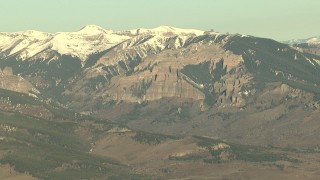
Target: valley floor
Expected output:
[8,173]
[155,160]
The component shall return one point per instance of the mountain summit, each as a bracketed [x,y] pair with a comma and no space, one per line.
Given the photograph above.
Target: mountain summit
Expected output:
[93,29]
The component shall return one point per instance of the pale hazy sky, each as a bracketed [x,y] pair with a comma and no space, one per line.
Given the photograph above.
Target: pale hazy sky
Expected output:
[277,19]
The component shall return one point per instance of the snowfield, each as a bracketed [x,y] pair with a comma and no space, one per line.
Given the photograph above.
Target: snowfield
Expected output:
[89,40]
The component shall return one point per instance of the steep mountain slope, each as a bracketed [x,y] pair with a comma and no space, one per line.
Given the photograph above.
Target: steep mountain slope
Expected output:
[216,68]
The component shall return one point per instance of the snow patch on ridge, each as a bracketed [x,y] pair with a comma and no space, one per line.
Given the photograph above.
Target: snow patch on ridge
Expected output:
[317,61]
[167,30]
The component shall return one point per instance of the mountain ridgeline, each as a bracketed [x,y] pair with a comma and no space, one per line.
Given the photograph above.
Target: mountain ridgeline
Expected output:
[143,65]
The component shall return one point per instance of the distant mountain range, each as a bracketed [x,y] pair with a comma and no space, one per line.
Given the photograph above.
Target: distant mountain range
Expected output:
[310,41]
[89,40]
[149,103]
[310,45]
[150,64]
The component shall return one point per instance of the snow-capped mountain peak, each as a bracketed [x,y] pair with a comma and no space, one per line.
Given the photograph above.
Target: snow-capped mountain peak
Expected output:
[85,42]
[93,29]
[310,41]
[314,40]
[88,40]
[167,30]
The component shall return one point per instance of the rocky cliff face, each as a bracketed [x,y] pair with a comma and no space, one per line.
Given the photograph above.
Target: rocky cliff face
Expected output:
[16,83]
[198,68]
